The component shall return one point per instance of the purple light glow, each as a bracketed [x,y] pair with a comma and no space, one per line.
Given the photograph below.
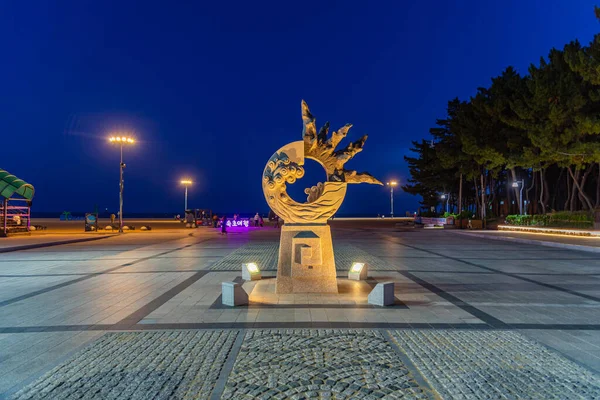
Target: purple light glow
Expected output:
[239,223]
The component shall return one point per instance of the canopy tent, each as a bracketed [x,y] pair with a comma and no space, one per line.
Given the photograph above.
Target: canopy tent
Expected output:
[15,213]
[10,184]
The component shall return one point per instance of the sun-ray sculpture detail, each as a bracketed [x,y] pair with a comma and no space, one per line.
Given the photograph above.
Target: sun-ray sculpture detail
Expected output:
[322,149]
[286,166]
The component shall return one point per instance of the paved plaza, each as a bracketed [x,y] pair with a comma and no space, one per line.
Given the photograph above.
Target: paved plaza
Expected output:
[140,316]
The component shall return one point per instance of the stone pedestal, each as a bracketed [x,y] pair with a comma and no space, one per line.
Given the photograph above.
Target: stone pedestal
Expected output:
[382,294]
[306,262]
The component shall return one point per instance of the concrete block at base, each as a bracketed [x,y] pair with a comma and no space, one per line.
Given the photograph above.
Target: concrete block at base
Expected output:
[382,294]
[251,273]
[359,275]
[232,294]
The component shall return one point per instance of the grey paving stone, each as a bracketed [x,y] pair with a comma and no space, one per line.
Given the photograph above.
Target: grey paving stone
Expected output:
[139,365]
[485,275]
[266,255]
[340,364]
[263,254]
[495,364]
[316,363]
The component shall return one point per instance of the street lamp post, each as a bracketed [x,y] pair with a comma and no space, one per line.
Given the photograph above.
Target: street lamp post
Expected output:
[391,184]
[186,182]
[121,140]
[516,184]
[447,198]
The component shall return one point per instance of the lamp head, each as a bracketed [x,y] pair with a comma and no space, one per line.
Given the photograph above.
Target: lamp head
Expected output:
[121,139]
[357,267]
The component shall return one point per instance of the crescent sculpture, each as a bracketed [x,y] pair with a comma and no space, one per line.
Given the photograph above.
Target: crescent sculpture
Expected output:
[306,260]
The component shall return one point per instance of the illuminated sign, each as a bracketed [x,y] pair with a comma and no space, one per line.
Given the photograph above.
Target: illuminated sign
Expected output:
[238,223]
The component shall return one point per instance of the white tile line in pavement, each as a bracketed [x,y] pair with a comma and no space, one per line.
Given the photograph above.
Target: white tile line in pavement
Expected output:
[50,244]
[566,246]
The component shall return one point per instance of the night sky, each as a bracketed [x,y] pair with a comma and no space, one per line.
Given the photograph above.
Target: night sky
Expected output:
[211,90]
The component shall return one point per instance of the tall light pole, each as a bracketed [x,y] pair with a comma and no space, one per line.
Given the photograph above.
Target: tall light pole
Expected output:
[516,184]
[121,141]
[447,198]
[391,184]
[186,182]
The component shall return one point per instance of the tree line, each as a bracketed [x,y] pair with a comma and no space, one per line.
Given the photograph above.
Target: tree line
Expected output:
[538,131]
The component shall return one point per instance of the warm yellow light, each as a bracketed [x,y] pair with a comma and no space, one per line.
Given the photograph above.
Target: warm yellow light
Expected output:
[186,182]
[252,267]
[530,230]
[357,267]
[392,183]
[121,139]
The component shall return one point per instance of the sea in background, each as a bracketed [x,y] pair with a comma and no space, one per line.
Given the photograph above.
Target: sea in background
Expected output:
[133,215]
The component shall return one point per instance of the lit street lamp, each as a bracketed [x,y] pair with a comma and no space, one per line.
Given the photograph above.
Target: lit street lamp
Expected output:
[186,182]
[447,198]
[121,140]
[516,184]
[391,184]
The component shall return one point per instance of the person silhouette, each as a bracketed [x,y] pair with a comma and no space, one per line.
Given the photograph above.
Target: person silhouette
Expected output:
[224,225]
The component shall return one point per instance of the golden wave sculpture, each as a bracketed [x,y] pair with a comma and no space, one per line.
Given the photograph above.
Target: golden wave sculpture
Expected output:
[287,165]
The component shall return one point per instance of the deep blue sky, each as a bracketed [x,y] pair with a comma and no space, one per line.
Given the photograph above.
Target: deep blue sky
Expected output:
[212,89]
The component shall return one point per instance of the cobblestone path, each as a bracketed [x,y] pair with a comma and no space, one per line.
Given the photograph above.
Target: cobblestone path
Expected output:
[495,365]
[316,363]
[139,365]
[266,256]
[336,364]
